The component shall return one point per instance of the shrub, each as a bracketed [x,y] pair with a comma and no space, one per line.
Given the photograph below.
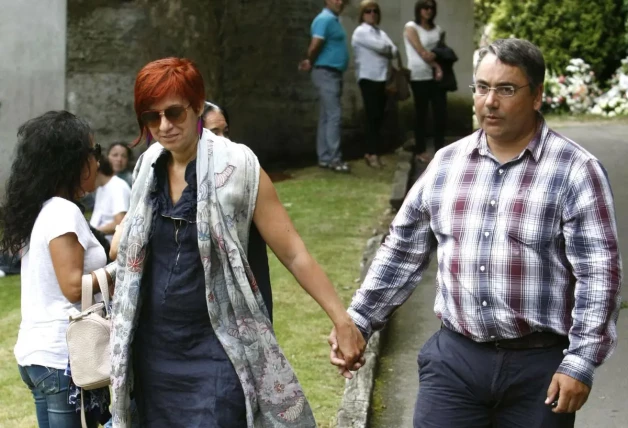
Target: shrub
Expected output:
[591,30]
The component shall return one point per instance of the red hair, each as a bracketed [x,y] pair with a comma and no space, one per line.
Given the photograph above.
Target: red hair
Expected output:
[167,77]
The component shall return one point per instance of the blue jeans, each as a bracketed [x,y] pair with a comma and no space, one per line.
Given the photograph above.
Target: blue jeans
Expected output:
[329,86]
[50,390]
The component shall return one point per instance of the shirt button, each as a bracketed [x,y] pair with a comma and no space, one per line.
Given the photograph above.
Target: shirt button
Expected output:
[501,171]
[482,268]
[493,203]
[484,303]
[486,234]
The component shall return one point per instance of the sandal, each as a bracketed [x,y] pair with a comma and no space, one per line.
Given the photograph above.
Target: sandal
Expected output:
[372,161]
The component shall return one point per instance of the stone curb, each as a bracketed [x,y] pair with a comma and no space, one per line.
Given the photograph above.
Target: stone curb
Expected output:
[357,397]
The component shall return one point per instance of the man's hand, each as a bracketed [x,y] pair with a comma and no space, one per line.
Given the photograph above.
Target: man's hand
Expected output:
[347,349]
[305,65]
[571,393]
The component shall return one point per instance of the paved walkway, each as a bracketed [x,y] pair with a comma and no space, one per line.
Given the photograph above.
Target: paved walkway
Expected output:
[397,380]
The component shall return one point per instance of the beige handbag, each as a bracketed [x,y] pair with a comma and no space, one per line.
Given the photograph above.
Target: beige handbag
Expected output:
[398,82]
[88,339]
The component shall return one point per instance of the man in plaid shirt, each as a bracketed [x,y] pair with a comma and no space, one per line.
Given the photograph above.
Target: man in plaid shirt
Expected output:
[529,271]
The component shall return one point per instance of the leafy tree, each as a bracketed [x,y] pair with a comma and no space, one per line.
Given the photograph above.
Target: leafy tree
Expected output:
[565,29]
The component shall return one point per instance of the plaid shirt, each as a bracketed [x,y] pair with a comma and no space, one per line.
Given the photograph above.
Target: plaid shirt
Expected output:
[529,245]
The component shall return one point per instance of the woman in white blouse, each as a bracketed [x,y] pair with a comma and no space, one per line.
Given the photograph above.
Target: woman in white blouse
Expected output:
[372,50]
[420,37]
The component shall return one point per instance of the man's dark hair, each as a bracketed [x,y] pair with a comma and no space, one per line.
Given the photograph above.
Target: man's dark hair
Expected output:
[422,4]
[105,167]
[518,53]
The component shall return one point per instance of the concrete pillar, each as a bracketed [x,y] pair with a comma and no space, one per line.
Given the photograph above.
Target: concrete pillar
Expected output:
[32,70]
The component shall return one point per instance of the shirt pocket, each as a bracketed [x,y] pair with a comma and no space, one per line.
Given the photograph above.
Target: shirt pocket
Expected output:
[533,217]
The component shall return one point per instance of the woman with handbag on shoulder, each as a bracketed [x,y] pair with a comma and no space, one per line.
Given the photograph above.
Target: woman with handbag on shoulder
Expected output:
[421,36]
[55,166]
[373,50]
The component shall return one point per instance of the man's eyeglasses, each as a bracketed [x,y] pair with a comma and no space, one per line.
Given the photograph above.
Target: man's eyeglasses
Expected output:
[502,90]
[96,151]
[367,11]
[175,114]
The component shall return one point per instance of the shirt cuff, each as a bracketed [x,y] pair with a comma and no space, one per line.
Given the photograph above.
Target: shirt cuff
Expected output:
[577,368]
[361,323]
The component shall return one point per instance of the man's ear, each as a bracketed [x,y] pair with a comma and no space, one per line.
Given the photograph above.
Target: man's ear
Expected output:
[538,97]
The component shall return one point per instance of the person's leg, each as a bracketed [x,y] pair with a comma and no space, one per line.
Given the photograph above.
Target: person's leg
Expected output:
[379,93]
[62,414]
[454,383]
[420,93]
[439,113]
[369,96]
[526,376]
[334,115]
[324,157]
[38,374]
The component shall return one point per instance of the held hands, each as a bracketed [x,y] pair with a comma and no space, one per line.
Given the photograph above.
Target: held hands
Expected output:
[305,65]
[347,348]
[571,394]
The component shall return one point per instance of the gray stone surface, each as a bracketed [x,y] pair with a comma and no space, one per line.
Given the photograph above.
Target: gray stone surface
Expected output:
[32,70]
[396,384]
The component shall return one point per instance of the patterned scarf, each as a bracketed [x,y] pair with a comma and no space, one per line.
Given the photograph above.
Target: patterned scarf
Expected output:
[225,204]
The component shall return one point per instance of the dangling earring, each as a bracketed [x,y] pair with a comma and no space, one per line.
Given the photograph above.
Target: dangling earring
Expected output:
[199,127]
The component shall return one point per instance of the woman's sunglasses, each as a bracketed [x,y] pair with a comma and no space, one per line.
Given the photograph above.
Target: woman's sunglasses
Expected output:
[428,7]
[367,11]
[96,151]
[174,114]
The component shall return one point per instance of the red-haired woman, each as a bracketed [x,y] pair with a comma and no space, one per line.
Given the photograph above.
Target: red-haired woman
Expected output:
[191,333]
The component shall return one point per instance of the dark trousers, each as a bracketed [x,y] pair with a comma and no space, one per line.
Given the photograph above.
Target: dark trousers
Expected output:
[374,96]
[464,384]
[426,92]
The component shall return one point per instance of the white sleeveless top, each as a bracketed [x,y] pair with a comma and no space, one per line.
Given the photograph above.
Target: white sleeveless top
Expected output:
[419,69]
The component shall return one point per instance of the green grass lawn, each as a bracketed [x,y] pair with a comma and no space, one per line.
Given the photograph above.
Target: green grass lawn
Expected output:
[335,215]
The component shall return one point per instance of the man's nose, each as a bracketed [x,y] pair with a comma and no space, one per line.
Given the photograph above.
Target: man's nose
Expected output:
[491,99]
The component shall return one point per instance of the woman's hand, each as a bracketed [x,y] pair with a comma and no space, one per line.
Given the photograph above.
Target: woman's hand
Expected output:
[438,73]
[347,348]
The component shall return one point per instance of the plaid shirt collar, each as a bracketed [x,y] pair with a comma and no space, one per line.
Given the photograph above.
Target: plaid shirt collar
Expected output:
[480,146]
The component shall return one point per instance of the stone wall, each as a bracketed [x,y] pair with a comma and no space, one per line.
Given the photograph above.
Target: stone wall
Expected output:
[247,50]
[109,42]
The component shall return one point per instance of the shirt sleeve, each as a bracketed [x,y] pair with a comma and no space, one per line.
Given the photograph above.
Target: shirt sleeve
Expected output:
[399,263]
[121,198]
[319,28]
[367,39]
[65,217]
[591,246]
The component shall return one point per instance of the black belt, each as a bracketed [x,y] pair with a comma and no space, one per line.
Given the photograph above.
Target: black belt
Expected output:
[328,68]
[536,340]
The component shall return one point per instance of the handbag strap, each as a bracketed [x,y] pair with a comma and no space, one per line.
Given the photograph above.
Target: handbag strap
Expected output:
[87,289]
[103,283]
[87,292]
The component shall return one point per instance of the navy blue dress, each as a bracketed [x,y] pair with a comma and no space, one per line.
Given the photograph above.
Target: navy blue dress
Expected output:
[183,377]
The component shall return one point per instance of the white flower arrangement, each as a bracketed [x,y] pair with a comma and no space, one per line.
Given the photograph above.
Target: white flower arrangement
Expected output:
[577,91]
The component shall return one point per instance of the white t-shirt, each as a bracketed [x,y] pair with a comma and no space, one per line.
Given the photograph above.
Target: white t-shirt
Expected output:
[419,69]
[111,199]
[45,310]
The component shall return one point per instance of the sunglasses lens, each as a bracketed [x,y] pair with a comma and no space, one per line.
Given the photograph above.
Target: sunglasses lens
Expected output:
[150,118]
[176,114]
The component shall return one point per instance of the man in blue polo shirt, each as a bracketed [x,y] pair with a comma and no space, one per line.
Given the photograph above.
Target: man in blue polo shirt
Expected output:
[327,58]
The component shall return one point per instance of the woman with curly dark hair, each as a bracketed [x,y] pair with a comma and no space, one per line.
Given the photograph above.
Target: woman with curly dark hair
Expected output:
[55,165]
